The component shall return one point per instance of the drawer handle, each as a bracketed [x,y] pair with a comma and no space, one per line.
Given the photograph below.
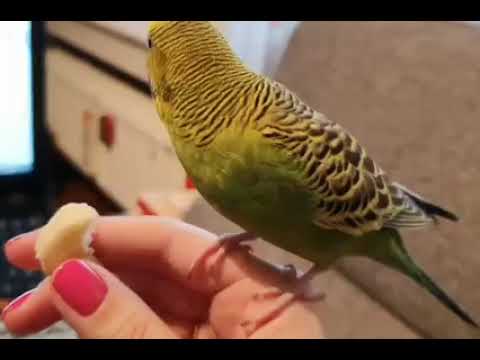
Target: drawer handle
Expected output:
[107,130]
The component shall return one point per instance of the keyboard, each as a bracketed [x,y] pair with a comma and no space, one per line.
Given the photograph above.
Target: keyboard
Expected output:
[13,281]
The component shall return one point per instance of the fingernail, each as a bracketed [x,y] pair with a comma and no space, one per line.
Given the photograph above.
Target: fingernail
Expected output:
[16,303]
[12,240]
[80,287]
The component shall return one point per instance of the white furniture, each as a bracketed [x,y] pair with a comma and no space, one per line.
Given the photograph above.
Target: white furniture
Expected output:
[85,105]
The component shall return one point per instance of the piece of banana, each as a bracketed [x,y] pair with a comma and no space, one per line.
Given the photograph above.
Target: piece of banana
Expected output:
[65,236]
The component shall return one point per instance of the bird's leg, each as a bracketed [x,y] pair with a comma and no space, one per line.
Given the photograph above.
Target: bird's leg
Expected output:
[298,288]
[226,242]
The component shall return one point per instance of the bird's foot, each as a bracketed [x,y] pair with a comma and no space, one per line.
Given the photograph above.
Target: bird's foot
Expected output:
[225,243]
[298,288]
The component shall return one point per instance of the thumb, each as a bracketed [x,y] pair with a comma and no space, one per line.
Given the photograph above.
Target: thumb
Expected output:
[96,304]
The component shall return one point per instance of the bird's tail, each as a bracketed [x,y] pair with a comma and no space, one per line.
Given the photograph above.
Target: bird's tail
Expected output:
[394,255]
[429,208]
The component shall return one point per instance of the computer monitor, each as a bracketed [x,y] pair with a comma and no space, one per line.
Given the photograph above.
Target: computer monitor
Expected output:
[24,178]
[21,107]
[16,99]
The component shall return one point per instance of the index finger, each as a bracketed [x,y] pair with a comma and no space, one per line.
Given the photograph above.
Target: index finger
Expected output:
[20,251]
[158,244]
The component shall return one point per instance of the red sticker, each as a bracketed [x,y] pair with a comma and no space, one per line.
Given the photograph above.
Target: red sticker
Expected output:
[107,130]
[189,183]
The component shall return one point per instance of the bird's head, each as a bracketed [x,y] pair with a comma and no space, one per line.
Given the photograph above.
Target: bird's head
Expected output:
[178,47]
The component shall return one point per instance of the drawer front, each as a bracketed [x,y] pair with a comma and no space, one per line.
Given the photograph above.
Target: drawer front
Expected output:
[69,112]
[110,130]
[133,162]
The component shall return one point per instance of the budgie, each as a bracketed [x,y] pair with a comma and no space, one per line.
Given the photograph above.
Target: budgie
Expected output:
[276,167]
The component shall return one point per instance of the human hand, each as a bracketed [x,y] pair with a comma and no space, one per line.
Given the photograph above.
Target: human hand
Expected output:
[142,289]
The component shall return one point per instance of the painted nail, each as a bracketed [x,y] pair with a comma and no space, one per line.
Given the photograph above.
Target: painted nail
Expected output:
[12,240]
[16,303]
[80,287]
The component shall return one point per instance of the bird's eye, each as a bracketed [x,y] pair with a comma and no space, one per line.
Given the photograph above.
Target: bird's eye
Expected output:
[149,43]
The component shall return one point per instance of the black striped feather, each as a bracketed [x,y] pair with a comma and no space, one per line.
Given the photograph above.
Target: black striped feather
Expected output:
[353,193]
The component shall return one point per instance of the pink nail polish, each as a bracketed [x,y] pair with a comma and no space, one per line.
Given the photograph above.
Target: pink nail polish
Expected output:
[16,303]
[80,287]
[10,241]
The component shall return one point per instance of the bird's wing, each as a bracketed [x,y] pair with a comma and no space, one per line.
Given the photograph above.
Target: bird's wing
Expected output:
[352,193]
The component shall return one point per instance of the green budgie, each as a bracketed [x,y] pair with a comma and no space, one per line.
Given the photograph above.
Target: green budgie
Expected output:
[279,169]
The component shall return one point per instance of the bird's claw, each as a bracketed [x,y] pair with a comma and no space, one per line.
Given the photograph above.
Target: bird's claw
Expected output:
[225,242]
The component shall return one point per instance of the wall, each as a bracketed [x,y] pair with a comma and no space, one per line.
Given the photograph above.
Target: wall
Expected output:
[409,92]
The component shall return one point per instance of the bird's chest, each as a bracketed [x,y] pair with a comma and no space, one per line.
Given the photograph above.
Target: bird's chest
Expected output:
[223,178]
[238,178]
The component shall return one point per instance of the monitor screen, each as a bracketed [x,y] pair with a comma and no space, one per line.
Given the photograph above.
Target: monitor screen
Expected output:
[16,98]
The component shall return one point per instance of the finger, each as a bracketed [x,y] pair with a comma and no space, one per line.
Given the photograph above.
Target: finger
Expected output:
[186,304]
[170,247]
[161,245]
[31,312]
[20,251]
[165,296]
[180,309]
[97,305]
